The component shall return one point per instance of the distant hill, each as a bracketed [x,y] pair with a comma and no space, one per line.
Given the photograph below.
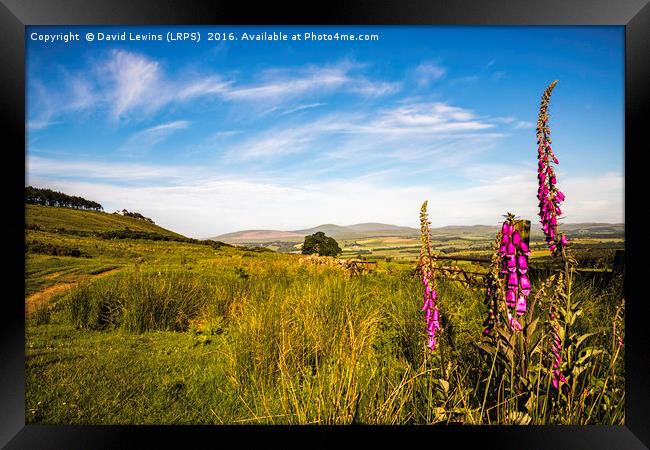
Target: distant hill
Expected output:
[253,235]
[594,230]
[373,229]
[332,230]
[54,219]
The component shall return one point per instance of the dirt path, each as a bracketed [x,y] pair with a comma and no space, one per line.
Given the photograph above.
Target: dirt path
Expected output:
[38,298]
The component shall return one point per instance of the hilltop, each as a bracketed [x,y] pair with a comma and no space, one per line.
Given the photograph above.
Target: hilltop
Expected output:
[355,231]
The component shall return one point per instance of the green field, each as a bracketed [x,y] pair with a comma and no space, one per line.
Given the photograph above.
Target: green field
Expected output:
[184,332]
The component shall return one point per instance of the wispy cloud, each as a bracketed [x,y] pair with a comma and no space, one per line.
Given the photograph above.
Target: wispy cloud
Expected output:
[513,122]
[144,140]
[291,83]
[45,107]
[386,133]
[130,86]
[286,83]
[425,73]
[523,124]
[124,173]
[137,84]
[302,108]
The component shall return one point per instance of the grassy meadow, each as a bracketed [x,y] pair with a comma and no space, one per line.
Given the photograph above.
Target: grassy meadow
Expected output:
[134,329]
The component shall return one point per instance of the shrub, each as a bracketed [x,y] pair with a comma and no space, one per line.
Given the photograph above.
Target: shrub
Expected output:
[47,248]
[139,302]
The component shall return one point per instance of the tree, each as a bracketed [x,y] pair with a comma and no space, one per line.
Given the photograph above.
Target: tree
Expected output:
[48,197]
[321,244]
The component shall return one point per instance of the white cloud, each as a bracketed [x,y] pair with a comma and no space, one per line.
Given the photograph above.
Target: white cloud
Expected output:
[44,107]
[292,84]
[301,108]
[286,84]
[37,166]
[387,132]
[145,139]
[126,85]
[134,86]
[219,206]
[425,73]
[136,82]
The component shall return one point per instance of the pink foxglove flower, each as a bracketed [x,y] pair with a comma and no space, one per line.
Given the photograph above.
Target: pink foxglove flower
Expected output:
[430,309]
[548,195]
[514,323]
[514,266]
[427,267]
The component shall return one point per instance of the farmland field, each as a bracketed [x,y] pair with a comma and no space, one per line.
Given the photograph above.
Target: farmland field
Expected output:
[152,331]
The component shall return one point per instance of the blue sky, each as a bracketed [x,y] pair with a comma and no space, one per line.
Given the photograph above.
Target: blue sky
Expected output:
[211,137]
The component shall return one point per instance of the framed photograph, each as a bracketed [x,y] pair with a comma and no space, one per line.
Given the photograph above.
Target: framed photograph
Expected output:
[393,220]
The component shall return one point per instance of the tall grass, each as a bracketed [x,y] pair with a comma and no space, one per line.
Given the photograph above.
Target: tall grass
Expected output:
[314,345]
[139,302]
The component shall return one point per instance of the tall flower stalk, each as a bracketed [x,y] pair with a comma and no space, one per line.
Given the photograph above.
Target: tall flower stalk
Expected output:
[549,196]
[514,266]
[426,265]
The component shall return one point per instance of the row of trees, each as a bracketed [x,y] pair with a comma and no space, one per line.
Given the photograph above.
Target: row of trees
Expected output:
[135,215]
[48,197]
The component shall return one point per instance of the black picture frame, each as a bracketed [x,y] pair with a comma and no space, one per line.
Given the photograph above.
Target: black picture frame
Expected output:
[16,14]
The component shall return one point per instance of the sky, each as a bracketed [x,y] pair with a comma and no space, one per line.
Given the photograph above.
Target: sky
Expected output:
[214,136]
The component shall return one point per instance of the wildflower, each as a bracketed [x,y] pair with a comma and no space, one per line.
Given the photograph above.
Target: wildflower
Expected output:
[564,240]
[514,266]
[548,194]
[524,282]
[524,248]
[514,323]
[522,263]
[513,280]
[426,264]
[521,305]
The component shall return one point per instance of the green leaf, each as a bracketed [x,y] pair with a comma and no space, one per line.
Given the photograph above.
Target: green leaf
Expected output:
[582,338]
[588,353]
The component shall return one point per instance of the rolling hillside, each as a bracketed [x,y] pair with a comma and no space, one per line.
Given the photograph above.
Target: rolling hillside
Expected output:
[67,220]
